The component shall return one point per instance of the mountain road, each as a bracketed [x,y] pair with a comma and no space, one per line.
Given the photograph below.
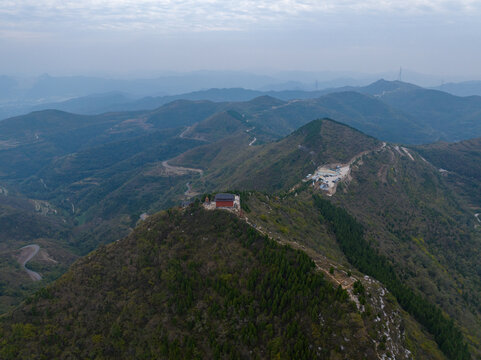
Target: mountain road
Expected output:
[28,253]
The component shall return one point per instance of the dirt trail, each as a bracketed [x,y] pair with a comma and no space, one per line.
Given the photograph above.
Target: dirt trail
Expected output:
[189,193]
[182,134]
[339,277]
[383,145]
[322,263]
[407,153]
[179,170]
[189,189]
[27,254]
[185,134]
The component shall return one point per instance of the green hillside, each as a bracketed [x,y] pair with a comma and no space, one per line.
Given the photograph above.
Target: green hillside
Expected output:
[279,165]
[373,117]
[198,284]
[217,127]
[182,113]
[462,162]
[388,110]
[24,222]
[363,112]
[449,117]
[111,184]
[93,175]
[416,220]
[411,214]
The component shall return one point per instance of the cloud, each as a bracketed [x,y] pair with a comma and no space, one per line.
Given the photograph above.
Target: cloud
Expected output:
[172,16]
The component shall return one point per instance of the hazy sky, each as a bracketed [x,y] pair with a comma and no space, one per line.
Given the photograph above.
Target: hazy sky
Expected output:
[131,37]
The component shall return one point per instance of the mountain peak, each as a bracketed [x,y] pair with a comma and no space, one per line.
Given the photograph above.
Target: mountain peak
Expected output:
[382,86]
[266,100]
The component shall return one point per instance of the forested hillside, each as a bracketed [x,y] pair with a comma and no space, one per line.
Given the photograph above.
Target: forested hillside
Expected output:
[23,222]
[197,284]
[414,218]
[276,166]
[411,215]
[460,163]
[350,235]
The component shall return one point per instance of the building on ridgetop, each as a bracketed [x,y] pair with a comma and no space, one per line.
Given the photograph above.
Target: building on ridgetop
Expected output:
[224,200]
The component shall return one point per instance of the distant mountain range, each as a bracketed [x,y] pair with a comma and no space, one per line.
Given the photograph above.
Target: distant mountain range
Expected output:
[389,110]
[465,88]
[22,95]
[122,101]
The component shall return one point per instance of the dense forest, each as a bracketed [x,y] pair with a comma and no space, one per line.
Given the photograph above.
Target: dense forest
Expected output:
[189,284]
[350,235]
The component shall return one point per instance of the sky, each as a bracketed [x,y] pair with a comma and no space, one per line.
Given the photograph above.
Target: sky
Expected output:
[133,37]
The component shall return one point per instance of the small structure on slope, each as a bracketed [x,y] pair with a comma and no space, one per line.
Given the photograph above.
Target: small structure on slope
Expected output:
[229,202]
[327,177]
[224,200]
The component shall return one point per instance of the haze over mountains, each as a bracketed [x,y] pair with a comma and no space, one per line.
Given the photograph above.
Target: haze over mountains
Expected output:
[94,95]
[20,95]
[389,110]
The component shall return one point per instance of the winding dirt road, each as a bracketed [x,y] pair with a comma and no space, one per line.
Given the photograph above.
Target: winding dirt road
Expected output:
[189,193]
[27,254]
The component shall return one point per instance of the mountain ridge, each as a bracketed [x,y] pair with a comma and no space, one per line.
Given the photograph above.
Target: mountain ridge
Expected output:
[391,110]
[249,281]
